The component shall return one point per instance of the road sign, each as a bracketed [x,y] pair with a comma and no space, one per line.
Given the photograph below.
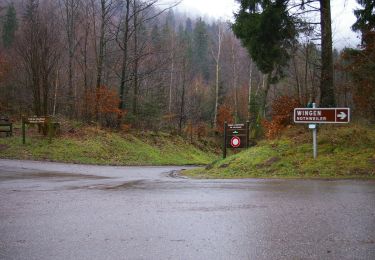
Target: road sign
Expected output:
[235,141]
[45,124]
[235,136]
[36,120]
[236,129]
[239,131]
[322,115]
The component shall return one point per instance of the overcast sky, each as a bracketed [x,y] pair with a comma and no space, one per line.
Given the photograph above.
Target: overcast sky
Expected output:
[342,16]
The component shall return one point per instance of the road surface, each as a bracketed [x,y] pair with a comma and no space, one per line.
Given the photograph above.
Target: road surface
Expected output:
[62,211]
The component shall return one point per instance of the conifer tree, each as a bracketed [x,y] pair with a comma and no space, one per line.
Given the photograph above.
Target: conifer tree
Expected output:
[9,26]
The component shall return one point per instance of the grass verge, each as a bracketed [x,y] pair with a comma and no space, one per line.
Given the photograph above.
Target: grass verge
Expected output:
[95,146]
[343,152]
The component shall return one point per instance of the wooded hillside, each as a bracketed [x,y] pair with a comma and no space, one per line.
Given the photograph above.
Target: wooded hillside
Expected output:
[140,64]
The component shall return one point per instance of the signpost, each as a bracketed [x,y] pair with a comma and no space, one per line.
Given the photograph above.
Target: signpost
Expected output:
[314,116]
[235,136]
[322,115]
[44,121]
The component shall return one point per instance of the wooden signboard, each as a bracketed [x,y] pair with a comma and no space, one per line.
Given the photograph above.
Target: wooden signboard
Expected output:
[236,136]
[36,120]
[44,121]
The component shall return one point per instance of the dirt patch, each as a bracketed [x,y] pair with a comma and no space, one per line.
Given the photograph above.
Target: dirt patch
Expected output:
[224,165]
[268,163]
[359,171]
[176,174]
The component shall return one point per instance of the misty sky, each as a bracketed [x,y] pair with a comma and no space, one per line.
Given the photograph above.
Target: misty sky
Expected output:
[342,16]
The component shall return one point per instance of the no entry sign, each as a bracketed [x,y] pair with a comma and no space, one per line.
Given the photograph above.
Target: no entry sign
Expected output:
[235,141]
[322,115]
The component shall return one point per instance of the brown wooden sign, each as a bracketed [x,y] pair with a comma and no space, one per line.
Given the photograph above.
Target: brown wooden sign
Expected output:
[322,115]
[36,120]
[44,122]
[235,136]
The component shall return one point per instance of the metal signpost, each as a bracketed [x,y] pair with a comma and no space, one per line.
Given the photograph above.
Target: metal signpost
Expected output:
[314,116]
[235,136]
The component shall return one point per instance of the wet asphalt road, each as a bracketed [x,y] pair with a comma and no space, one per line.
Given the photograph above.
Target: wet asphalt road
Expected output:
[61,211]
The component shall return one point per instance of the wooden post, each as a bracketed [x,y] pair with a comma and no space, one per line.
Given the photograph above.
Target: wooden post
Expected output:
[49,129]
[225,141]
[23,131]
[247,133]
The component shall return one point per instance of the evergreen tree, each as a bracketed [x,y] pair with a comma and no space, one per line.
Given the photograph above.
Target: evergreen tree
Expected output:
[186,39]
[170,20]
[268,28]
[9,26]
[200,49]
[267,31]
[155,37]
[365,19]
[188,26]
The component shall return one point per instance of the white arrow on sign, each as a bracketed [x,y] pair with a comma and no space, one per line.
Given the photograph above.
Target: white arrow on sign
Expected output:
[342,115]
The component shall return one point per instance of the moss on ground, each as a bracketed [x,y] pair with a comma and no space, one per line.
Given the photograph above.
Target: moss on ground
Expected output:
[344,151]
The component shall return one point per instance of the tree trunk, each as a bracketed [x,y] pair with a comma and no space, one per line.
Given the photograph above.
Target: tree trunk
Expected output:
[71,12]
[100,55]
[306,72]
[171,84]
[45,93]
[101,45]
[85,69]
[266,88]
[298,87]
[217,60]
[135,66]
[234,72]
[250,89]
[326,83]
[55,93]
[216,94]
[124,57]
[182,107]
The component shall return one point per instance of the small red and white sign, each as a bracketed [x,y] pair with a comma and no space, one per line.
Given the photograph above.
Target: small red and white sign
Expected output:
[235,142]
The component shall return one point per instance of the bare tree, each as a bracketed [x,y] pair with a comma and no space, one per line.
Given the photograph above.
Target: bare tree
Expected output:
[70,17]
[39,52]
[216,56]
[106,11]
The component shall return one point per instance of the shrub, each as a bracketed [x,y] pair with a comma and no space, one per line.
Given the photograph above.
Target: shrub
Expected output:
[104,102]
[282,115]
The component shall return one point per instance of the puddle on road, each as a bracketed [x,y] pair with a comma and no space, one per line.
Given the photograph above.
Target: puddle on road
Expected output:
[125,185]
[225,208]
[9,175]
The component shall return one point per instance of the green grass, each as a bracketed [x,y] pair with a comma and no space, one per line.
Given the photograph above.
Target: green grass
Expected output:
[95,146]
[343,152]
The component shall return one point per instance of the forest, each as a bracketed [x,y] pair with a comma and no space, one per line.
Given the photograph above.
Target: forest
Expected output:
[141,64]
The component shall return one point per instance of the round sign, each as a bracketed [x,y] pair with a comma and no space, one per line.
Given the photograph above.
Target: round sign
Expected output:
[235,142]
